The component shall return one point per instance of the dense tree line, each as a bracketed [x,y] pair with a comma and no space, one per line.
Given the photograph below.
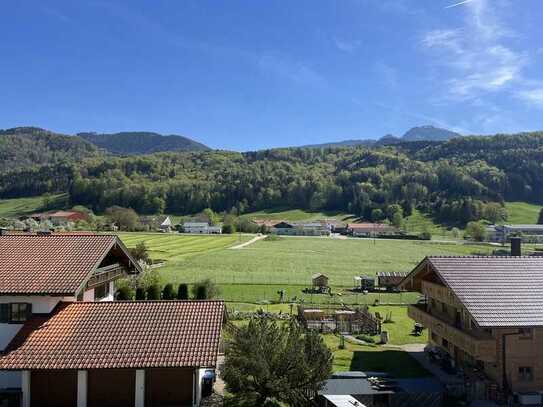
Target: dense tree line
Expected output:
[457,181]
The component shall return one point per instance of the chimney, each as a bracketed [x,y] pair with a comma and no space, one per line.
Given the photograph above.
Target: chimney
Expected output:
[516,246]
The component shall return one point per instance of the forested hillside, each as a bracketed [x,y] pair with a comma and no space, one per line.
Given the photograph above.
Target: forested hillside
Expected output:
[453,180]
[142,142]
[31,146]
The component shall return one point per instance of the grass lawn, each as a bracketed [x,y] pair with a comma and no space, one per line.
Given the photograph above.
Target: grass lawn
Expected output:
[418,222]
[12,208]
[522,212]
[373,358]
[292,261]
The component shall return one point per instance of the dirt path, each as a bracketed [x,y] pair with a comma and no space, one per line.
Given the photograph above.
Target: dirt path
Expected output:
[253,240]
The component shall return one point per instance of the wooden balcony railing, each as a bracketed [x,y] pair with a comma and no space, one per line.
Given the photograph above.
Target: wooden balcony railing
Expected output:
[478,344]
[105,274]
[440,293]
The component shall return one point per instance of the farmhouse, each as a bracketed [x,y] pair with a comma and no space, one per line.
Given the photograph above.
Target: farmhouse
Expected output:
[370,229]
[38,271]
[201,228]
[486,315]
[62,337]
[139,353]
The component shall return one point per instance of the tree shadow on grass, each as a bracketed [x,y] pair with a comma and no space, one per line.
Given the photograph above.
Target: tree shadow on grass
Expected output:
[397,363]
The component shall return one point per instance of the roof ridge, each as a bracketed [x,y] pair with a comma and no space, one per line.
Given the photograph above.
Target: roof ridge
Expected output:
[144,302]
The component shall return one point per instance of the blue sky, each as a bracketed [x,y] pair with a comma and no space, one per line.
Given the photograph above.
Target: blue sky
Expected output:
[246,75]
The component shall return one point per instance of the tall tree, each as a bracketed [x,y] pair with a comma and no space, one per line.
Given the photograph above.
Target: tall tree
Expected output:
[267,362]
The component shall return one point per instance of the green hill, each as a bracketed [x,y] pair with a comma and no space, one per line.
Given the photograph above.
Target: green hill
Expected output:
[142,142]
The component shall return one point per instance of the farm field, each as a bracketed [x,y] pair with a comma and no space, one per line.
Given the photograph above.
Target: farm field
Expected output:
[292,261]
[256,273]
[522,212]
[174,247]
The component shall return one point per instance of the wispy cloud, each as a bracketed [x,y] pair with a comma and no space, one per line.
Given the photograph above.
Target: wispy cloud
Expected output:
[478,56]
[346,46]
[459,3]
[531,96]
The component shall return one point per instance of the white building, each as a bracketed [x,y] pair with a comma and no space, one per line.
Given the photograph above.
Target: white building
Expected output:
[502,233]
[201,228]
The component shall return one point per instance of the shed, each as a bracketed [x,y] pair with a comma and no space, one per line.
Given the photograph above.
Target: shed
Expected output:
[319,280]
[365,282]
[390,279]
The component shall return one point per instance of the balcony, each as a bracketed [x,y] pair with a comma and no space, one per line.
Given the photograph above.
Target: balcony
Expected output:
[105,274]
[478,344]
[439,292]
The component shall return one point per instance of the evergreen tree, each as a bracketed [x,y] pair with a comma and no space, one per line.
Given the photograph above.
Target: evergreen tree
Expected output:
[167,292]
[140,294]
[268,362]
[153,292]
[183,292]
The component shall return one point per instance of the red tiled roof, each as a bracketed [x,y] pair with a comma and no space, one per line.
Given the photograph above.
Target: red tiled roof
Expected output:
[51,264]
[121,334]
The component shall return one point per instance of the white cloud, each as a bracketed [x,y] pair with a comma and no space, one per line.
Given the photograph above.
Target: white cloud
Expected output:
[478,56]
[531,96]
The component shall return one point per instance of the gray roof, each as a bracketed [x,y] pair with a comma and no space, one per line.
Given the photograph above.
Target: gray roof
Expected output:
[392,274]
[497,291]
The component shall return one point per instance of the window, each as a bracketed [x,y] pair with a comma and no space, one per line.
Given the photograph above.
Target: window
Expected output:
[19,312]
[525,374]
[4,313]
[526,333]
[101,291]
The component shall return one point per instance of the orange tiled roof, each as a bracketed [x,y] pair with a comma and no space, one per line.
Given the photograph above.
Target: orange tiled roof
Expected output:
[121,334]
[51,264]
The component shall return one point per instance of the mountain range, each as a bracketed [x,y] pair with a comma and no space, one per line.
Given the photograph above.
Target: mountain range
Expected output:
[421,133]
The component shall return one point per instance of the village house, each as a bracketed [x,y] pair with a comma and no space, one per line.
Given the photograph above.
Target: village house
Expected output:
[502,233]
[316,228]
[62,337]
[59,218]
[371,229]
[201,228]
[486,315]
[161,223]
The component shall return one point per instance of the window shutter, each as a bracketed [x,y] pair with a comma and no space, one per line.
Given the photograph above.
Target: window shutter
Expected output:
[4,313]
[28,311]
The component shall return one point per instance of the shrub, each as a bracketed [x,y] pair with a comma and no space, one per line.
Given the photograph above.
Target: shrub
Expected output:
[183,292]
[201,292]
[228,229]
[140,294]
[167,293]
[366,338]
[153,292]
[124,293]
[210,291]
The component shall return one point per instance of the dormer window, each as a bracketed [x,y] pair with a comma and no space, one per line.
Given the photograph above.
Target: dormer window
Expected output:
[15,313]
